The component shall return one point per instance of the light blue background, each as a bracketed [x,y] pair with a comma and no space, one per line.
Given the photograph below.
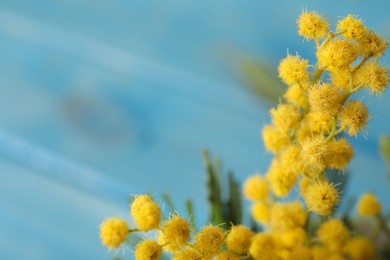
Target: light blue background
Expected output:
[101,99]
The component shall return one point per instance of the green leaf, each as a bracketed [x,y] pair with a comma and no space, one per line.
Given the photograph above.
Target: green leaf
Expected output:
[214,188]
[234,202]
[384,143]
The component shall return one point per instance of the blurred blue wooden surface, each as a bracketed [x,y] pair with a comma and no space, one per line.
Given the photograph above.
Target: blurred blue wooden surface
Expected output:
[103,99]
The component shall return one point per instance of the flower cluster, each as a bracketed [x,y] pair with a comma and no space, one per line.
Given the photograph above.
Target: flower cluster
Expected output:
[307,137]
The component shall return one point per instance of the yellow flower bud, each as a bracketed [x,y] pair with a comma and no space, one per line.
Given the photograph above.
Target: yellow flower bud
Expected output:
[261,212]
[281,178]
[315,154]
[325,98]
[374,76]
[209,240]
[148,250]
[312,25]
[372,44]
[296,96]
[238,239]
[333,234]
[176,232]
[256,187]
[351,27]
[262,247]
[113,232]
[285,117]
[354,117]
[369,205]
[287,216]
[293,70]
[340,153]
[322,198]
[360,248]
[188,254]
[274,139]
[337,54]
[146,213]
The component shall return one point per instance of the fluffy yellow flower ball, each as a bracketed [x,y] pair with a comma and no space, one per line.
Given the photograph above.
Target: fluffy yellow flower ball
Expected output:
[282,177]
[262,247]
[372,44]
[351,27]
[113,232]
[227,256]
[325,98]
[287,216]
[188,254]
[296,96]
[337,54]
[340,153]
[285,117]
[293,238]
[261,212]
[360,248]
[322,198]
[209,240]
[146,213]
[176,232]
[148,250]
[315,154]
[354,117]
[274,139]
[311,25]
[239,239]
[374,76]
[369,205]
[333,233]
[293,70]
[256,187]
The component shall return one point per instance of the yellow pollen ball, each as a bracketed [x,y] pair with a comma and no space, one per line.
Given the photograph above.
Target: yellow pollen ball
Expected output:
[285,117]
[148,250]
[374,76]
[354,117]
[287,216]
[311,25]
[188,254]
[341,79]
[319,122]
[325,98]
[319,252]
[296,96]
[372,44]
[301,253]
[369,205]
[261,212]
[360,248]
[340,153]
[351,27]
[293,238]
[262,246]
[274,139]
[176,231]
[239,239]
[293,69]
[209,240]
[281,178]
[146,213]
[227,256]
[333,233]
[113,232]
[315,154]
[337,54]
[256,187]
[322,198]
